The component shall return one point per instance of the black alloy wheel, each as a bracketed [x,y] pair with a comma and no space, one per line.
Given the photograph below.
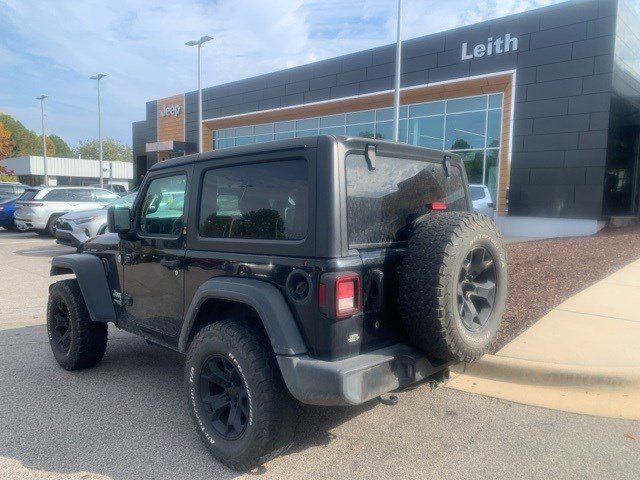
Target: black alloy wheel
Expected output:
[224,395]
[61,327]
[476,288]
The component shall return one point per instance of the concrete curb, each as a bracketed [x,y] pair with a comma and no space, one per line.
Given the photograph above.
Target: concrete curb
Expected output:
[527,372]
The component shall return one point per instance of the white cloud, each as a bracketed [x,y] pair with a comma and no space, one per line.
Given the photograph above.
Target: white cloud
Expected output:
[54,47]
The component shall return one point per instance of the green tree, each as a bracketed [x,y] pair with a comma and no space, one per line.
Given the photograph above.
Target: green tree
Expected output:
[62,148]
[6,142]
[112,150]
[26,142]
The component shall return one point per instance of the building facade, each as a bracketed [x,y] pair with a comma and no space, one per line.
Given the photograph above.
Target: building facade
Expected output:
[68,171]
[543,107]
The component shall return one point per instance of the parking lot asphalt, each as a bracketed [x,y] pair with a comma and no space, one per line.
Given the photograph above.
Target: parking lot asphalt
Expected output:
[127,418]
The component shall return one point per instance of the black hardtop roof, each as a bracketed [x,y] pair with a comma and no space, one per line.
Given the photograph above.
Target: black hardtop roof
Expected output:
[348,143]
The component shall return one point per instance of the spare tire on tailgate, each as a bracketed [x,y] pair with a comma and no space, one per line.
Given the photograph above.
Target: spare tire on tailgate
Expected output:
[453,285]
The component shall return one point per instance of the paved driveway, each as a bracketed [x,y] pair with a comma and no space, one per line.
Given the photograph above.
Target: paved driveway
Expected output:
[127,419]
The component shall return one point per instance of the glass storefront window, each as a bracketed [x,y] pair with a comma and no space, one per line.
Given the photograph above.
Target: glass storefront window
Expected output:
[426,109]
[469,126]
[283,135]
[465,131]
[332,131]
[244,131]
[474,165]
[467,104]
[491,172]
[288,126]
[361,117]
[427,131]
[494,119]
[264,128]
[495,100]
[332,120]
[366,130]
[384,131]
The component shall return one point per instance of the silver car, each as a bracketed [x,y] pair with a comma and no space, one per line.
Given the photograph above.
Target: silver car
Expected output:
[47,204]
[481,198]
[75,228]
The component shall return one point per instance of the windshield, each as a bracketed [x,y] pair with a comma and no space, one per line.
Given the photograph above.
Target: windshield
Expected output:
[125,201]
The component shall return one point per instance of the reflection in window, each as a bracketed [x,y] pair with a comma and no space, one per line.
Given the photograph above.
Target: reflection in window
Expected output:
[474,165]
[465,131]
[163,206]
[265,201]
[427,132]
[472,124]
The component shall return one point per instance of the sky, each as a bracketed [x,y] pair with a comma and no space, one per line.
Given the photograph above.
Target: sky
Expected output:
[54,46]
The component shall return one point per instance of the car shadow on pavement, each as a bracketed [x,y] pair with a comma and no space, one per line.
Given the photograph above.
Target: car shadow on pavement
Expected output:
[124,419]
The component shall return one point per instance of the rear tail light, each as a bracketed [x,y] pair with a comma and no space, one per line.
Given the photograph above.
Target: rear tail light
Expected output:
[437,206]
[339,294]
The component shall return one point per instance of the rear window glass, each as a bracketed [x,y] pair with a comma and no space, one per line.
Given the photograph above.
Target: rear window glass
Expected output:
[267,201]
[28,195]
[382,203]
[477,193]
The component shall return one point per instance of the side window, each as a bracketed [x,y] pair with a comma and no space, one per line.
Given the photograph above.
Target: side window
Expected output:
[102,196]
[163,206]
[80,195]
[56,195]
[267,201]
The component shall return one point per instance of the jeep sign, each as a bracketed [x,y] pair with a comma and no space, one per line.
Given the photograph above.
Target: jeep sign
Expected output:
[492,47]
[171,110]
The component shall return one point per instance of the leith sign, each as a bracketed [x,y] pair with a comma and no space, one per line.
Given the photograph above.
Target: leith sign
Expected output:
[491,47]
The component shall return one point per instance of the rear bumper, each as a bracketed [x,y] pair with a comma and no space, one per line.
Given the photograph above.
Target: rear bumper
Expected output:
[355,380]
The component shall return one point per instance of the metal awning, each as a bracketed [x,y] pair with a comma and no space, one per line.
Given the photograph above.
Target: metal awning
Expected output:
[171,146]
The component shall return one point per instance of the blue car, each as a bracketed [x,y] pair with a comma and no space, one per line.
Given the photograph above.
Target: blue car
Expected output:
[6,214]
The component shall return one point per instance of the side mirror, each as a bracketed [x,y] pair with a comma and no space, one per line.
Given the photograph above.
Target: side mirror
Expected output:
[119,219]
[490,205]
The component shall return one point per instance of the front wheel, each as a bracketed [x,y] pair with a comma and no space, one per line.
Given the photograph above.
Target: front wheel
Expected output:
[236,396]
[76,341]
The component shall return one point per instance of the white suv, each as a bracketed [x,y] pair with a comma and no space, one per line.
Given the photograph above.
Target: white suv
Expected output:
[39,208]
[482,201]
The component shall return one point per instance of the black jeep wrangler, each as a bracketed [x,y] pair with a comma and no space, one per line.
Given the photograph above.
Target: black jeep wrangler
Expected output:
[321,270]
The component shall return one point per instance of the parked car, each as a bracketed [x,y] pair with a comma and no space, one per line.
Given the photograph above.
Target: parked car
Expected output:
[75,228]
[45,205]
[8,208]
[119,189]
[482,201]
[320,270]
[11,190]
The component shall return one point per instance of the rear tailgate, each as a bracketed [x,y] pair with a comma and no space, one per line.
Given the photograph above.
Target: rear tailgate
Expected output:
[384,197]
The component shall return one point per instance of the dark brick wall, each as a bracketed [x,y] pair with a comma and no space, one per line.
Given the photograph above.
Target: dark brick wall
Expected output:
[564,66]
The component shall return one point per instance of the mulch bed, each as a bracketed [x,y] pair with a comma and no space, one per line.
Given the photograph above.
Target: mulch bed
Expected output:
[544,273]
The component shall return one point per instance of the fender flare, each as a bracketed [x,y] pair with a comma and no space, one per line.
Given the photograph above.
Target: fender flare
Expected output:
[264,298]
[92,279]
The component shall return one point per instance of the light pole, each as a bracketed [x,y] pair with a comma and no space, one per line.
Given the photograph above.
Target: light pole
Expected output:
[193,43]
[98,77]
[396,94]
[44,139]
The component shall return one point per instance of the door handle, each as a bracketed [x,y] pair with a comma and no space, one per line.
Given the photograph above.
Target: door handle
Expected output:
[171,264]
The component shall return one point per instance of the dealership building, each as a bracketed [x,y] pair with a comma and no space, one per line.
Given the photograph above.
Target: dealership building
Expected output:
[542,106]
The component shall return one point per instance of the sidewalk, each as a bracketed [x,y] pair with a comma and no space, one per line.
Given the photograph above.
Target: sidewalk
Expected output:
[583,356]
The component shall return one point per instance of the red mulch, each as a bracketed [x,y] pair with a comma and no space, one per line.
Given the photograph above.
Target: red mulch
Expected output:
[544,273]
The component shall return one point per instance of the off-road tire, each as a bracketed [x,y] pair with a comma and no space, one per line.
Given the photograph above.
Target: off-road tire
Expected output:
[429,285]
[87,339]
[273,412]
